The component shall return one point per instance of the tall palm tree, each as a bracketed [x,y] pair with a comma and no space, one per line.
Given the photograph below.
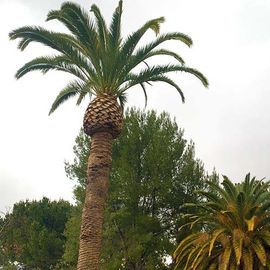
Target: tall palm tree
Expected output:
[104,66]
[235,234]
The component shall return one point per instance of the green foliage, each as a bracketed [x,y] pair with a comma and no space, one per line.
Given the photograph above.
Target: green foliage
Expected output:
[33,234]
[72,234]
[98,56]
[235,228]
[154,173]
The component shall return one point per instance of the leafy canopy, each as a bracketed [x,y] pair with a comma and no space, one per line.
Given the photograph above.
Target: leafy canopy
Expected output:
[32,235]
[101,60]
[235,228]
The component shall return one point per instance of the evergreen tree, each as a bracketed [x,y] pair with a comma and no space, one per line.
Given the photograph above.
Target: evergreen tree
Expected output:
[33,233]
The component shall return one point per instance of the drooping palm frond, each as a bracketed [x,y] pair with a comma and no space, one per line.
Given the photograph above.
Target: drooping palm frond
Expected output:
[44,64]
[158,71]
[235,230]
[98,56]
[72,89]
[166,53]
[122,100]
[145,52]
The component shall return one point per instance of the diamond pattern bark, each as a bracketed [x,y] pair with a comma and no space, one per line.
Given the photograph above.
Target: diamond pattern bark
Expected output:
[103,115]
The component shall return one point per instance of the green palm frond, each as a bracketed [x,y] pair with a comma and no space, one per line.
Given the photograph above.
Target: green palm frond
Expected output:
[166,53]
[263,222]
[72,89]
[128,46]
[169,81]
[141,54]
[62,43]
[80,98]
[29,34]
[144,92]
[115,27]
[156,71]
[215,187]
[45,64]
[265,236]
[229,187]
[122,100]
[213,198]
[79,23]
[103,33]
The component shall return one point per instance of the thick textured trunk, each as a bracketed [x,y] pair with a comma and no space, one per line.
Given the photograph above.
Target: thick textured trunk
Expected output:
[99,167]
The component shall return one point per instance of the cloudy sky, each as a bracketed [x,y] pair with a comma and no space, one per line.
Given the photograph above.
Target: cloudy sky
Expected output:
[229,122]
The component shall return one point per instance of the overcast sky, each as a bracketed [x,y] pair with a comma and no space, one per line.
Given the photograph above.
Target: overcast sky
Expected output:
[229,122]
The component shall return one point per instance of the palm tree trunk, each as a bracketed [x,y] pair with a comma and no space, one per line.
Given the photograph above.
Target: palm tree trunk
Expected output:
[99,167]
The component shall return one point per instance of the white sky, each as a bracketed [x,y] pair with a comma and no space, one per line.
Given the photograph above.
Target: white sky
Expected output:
[229,122]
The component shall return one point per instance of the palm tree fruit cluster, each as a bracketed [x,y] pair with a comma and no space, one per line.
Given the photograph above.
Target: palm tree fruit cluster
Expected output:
[103,114]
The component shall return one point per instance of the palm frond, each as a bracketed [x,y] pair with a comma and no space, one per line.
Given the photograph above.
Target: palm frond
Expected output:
[80,98]
[122,100]
[37,34]
[229,187]
[103,33]
[157,73]
[141,54]
[144,92]
[248,259]
[237,243]
[63,43]
[259,251]
[170,82]
[115,27]
[72,89]
[128,46]
[79,23]
[47,63]
[132,41]
[215,235]
[225,259]
[166,53]
[87,88]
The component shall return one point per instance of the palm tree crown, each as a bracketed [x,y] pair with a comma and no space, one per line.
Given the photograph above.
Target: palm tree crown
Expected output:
[235,230]
[101,60]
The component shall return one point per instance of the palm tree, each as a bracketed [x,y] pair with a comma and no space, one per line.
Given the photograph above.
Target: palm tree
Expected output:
[235,228]
[103,64]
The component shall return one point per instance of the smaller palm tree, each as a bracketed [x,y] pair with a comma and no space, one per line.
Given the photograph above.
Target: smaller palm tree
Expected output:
[235,228]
